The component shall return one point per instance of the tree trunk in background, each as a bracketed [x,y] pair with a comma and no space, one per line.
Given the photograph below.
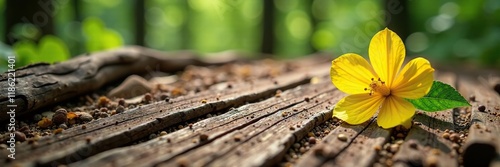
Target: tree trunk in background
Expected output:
[185,30]
[139,9]
[267,27]
[38,13]
[314,23]
[399,20]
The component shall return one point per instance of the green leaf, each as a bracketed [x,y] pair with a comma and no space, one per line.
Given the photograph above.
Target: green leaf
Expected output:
[441,97]
[52,49]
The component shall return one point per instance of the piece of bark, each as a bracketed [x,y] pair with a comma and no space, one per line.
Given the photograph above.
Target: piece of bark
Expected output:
[483,142]
[424,145]
[41,85]
[76,143]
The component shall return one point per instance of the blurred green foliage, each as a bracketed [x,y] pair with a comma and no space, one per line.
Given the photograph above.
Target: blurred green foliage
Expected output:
[98,37]
[462,31]
[50,49]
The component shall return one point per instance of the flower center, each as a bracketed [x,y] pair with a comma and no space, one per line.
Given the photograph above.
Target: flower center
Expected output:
[378,86]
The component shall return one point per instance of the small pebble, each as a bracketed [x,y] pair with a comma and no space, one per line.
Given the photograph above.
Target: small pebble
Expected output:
[481,108]
[413,144]
[431,161]
[238,137]
[342,137]
[122,103]
[446,135]
[312,140]
[120,109]
[472,98]
[63,126]
[163,133]
[203,137]
[20,136]
[455,146]
[400,135]
[394,148]
[454,137]
[59,116]
[84,117]
[148,97]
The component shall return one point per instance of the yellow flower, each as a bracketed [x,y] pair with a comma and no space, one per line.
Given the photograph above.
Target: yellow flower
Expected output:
[383,87]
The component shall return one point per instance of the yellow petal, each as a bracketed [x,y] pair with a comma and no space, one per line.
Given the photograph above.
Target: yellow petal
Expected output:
[415,79]
[387,53]
[358,108]
[351,73]
[395,111]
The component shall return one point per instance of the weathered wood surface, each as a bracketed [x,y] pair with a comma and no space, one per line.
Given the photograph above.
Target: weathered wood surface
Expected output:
[41,85]
[425,144]
[256,134]
[483,144]
[76,143]
[261,120]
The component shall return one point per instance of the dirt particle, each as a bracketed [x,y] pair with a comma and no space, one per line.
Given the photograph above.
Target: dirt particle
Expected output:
[481,108]
[204,101]
[292,128]
[377,148]
[342,137]
[238,137]
[204,137]
[400,135]
[84,127]
[278,93]
[182,162]
[319,151]
[44,123]
[58,131]
[472,98]
[163,133]
[103,101]
[413,144]
[307,99]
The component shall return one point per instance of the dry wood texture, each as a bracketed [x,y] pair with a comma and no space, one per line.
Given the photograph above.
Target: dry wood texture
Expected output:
[41,85]
[252,122]
[483,144]
[103,134]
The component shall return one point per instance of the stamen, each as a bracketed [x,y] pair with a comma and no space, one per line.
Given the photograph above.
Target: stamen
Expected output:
[378,86]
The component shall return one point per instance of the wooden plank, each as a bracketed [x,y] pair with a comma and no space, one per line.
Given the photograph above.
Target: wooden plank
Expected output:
[482,147]
[225,133]
[41,85]
[357,150]
[424,145]
[362,151]
[76,143]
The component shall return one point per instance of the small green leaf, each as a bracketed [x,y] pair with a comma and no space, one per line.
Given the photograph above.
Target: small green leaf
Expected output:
[441,97]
